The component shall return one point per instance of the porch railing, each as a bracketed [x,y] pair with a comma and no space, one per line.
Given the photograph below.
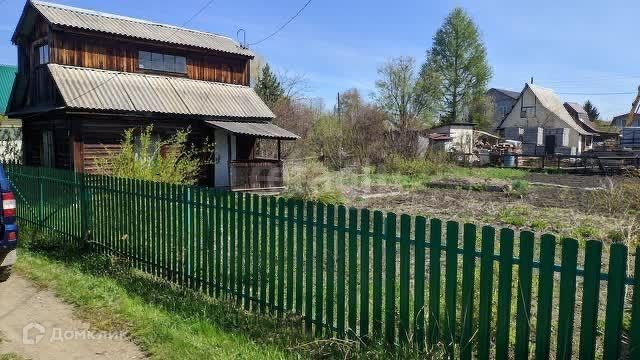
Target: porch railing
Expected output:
[256,174]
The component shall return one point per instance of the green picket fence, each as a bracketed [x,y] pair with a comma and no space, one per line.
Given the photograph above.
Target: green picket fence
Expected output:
[354,273]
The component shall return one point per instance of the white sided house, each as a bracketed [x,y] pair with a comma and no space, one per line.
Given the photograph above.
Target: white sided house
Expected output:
[539,110]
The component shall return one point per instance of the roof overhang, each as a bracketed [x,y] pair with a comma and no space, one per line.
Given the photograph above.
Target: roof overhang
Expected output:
[265,130]
[112,91]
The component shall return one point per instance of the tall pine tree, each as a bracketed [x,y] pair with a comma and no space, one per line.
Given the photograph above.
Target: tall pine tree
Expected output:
[592,111]
[459,58]
[268,87]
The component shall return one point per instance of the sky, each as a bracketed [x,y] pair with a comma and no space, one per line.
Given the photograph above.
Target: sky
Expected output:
[581,49]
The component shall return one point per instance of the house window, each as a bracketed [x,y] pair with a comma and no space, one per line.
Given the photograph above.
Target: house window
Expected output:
[162,62]
[41,54]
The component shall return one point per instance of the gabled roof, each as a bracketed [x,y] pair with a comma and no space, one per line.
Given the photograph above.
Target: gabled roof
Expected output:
[88,20]
[582,117]
[93,89]
[576,107]
[512,94]
[550,101]
[7,77]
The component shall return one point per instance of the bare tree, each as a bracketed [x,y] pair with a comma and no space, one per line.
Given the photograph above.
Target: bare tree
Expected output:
[406,96]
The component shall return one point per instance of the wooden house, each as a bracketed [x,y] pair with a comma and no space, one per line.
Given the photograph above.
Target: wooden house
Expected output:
[85,76]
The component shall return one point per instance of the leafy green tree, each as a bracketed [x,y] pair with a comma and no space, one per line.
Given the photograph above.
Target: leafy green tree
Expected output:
[459,58]
[592,111]
[269,87]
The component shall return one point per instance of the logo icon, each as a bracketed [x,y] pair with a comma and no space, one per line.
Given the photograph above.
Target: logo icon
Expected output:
[32,333]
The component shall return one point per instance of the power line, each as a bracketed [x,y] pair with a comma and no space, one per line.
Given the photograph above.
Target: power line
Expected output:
[283,25]
[604,93]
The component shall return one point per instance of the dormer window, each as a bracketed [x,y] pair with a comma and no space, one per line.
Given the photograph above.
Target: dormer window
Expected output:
[41,54]
[152,61]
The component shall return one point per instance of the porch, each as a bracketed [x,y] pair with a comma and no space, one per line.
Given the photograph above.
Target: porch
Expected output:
[237,167]
[254,174]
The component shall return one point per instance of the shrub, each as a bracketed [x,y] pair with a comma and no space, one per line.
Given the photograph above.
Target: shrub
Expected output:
[431,164]
[312,182]
[518,188]
[144,157]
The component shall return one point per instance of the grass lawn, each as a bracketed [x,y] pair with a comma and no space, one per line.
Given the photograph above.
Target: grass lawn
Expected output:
[168,322]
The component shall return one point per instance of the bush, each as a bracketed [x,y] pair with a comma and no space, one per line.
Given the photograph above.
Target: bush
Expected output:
[142,157]
[432,164]
[311,181]
[518,188]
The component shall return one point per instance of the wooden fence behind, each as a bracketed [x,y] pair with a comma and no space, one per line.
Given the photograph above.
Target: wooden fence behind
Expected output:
[354,273]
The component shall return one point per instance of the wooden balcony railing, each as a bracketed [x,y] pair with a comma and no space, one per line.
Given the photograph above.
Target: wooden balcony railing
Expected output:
[256,174]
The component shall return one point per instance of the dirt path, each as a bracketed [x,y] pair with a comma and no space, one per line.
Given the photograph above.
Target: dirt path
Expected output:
[37,325]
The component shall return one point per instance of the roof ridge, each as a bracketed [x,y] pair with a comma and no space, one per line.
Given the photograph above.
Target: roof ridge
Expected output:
[127,18]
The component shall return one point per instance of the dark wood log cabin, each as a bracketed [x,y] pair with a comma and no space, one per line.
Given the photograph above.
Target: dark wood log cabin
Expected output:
[84,77]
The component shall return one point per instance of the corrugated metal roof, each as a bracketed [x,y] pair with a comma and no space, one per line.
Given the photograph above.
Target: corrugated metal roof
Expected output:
[125,26]
[7,77]
[265,130]
[84,88]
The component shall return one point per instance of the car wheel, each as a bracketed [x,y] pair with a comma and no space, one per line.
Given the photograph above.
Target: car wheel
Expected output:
[5,272]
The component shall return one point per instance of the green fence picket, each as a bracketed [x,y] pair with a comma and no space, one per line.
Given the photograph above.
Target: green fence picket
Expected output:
[290,252]
[364,274]
[503,321]
[272,267]
[591,299]
[450,286]
[331,265]
[435,240]
[567,298]
[308,281]
[390,279]
[299,206]
[281,225]
[264,246]
[615,301]
[376,300]
[545,296]
[352,275]
[341,268]
[319,271]
[249,270]
[419,270]
[486,291]
[405,234]
[468,279]
[240,256]
[523,295]
[256,247]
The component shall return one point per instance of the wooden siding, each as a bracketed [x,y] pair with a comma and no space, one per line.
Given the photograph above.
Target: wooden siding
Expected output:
[100,52]
[32,130]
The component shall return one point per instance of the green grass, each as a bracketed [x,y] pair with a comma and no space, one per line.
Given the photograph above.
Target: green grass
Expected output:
[11,356]
[168,322]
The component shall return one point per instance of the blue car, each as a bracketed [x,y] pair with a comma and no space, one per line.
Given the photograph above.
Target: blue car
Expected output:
[9,234]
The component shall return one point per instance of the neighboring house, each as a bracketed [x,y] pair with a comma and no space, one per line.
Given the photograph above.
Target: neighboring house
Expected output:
[10,128]
[458,137]
[503,101]
[84,77]
[621,120]
[540,108]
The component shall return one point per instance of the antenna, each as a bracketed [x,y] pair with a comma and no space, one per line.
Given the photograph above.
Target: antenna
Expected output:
[243,42]
[532,79]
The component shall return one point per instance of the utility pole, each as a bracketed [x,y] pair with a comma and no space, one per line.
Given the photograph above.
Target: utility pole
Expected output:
[338,107]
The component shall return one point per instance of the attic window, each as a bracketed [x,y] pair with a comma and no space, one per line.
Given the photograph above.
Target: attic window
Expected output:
[41,54]
[162,62]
